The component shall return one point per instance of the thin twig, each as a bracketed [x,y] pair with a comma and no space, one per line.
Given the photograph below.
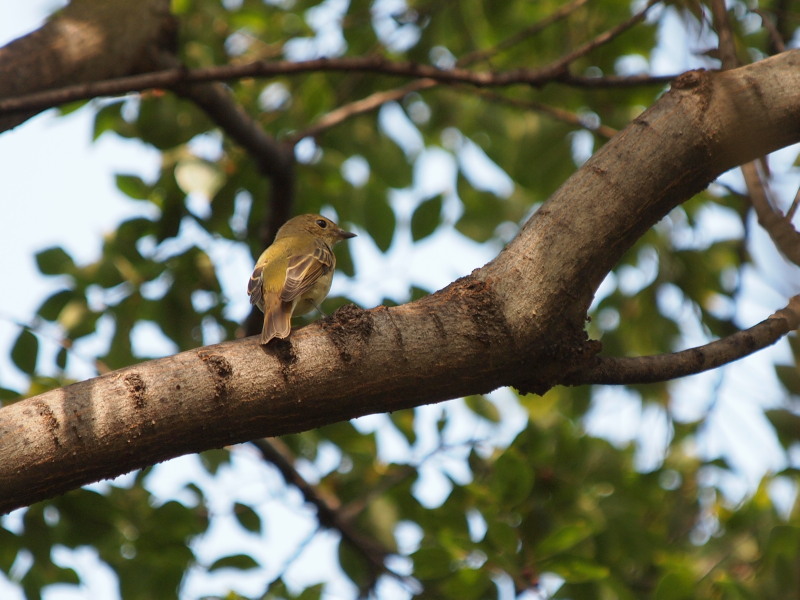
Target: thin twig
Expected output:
[360,107]
[614,81]
[520,36]
[779,228]
[727,43]
[556,113]
[603,38]
[329,510]
[665,367]
[775,37]
[785,237]
[793,208]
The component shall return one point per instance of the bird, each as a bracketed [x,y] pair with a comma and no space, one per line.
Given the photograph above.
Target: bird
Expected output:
[293,275]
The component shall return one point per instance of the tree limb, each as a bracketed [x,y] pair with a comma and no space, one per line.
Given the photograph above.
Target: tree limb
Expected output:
[170,78]
[87,41]
[664,367]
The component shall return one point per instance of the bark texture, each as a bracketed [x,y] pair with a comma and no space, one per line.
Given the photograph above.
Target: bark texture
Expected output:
[87,41]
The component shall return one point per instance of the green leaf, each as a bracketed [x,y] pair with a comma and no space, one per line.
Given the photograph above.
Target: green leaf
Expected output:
[107,119]
[54,261]
[380,221]
[786,424]
[133,186]
[247,517]
[52,307]
[212,460]
[25,352]
[426,218]
[576,569]
[10,544]
[8,395]
[432,562]
[483,407]
[564,538]
[313,592]
[512,478]
[403,420]
[61,358]
[789,376]
[676,586]
[241,562]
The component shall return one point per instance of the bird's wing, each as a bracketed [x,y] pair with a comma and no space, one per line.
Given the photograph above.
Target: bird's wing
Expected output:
[303,271]
[255,289]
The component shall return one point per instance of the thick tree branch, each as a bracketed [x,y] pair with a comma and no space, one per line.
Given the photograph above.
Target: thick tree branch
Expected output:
[519,320]
[664,367]
[87,41]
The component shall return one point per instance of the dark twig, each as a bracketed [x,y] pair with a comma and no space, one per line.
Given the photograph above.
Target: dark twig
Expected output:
[779,227]
[603,38]
[556,113]
[777,44]
[329,512]
[360,107]
[793,208]
[614,81]
[727,43]
[665,367]
[169,78]
[529,31]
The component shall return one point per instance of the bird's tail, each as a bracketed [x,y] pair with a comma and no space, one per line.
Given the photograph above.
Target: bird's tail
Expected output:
[277,320]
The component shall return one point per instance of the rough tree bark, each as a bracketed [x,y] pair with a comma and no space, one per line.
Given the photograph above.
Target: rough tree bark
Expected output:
[87,41]
[517,321]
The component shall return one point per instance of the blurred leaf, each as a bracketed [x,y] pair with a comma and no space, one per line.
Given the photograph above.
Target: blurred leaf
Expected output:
[403,420]
[107,118]
[54,261]
[564,538]
[241,562]
[576,569]
[789,376]
[9,546]
[212,460]
[426,218]
[25,351]
[61,358]
[247,517]
[483,407]
[511,478]
[432,563]
[133,186]
[786,424]
[7,395]
[52,307]
[380,222]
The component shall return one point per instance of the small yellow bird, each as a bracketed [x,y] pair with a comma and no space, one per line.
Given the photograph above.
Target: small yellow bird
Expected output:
[293,275]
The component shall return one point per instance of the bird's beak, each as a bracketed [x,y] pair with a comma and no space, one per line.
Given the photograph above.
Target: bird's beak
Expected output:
[346,235]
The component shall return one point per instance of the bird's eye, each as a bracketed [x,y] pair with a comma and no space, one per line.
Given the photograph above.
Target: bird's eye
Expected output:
[322,223]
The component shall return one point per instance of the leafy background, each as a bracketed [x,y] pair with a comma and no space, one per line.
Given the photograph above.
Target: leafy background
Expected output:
[676,490]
